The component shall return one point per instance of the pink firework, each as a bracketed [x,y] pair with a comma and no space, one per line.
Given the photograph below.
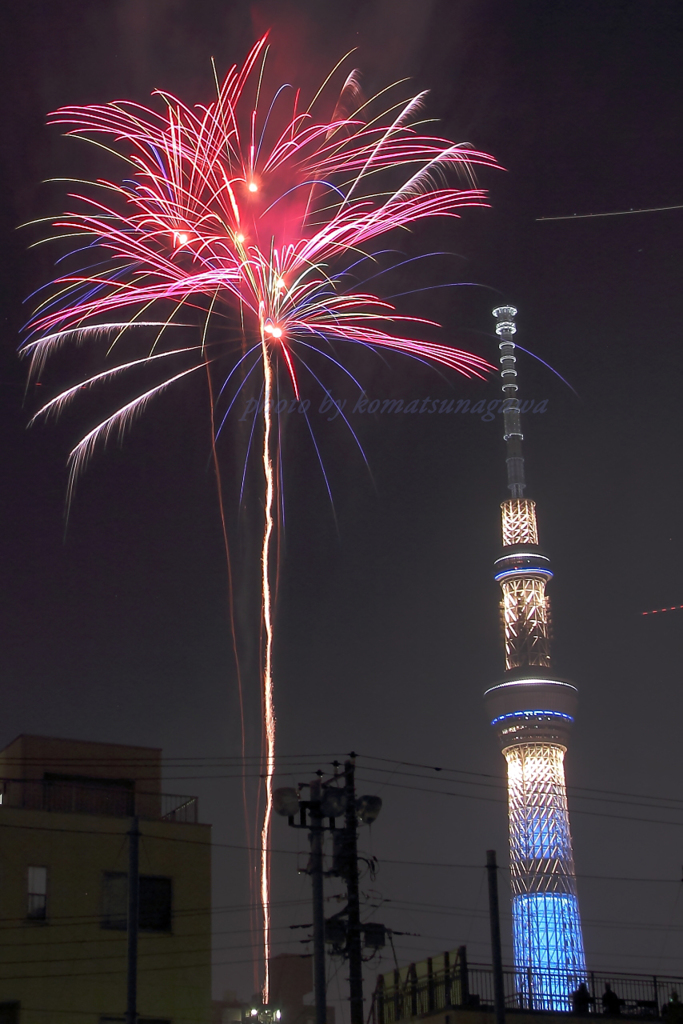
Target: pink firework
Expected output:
[263,213]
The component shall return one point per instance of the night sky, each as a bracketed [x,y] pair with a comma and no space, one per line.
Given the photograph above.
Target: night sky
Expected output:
[387,628]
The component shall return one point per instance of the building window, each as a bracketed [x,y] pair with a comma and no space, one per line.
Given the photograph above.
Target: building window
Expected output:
[37,894]
[114,900]
[156,902]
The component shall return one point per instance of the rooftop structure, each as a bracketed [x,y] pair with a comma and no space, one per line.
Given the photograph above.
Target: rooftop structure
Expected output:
[42,773]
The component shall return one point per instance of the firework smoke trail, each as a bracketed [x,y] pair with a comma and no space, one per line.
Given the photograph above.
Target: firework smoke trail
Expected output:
[258,220]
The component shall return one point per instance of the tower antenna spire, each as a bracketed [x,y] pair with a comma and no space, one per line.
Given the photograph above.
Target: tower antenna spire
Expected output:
[532,711]
[506,328]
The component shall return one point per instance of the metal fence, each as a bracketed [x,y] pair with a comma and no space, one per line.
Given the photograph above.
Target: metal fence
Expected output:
[420,991]
[76,797]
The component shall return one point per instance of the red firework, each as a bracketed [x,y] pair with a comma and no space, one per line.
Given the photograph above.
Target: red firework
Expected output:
[266,213]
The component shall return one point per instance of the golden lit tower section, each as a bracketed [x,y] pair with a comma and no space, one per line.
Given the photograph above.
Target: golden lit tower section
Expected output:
[532,711]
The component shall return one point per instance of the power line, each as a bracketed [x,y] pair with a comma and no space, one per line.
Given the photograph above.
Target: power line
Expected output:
[178,952]
[161,762]
[479,867]
[95,921]
[589,952]
[678,804]
[501,780]
[384,860]
[404,906]
[145,835]
[575,810]
[68,919]
[615,213]
[576,791]
[122,970]
[494,779]
[91,958]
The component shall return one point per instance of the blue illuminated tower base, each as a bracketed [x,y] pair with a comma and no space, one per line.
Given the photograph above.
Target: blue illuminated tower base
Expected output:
[547,938]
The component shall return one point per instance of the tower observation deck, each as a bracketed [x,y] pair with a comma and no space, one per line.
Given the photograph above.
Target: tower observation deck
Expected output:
[532,711]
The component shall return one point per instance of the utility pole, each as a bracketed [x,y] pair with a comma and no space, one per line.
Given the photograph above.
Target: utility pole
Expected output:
[287,802]
[496,953]
[329,800]
[133,921]
[316,840]
[353,942]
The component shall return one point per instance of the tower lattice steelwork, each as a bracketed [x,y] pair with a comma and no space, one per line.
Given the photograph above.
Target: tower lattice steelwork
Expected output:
[532,711]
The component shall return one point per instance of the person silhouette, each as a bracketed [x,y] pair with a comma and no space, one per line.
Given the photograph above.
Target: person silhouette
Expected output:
[581,999]
[611,1003]
[672,1010]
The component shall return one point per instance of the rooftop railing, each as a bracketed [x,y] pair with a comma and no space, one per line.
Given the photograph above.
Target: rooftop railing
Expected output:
[421,991]
[108,799]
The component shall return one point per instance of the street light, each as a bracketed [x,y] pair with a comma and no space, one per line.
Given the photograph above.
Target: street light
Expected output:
[262,1014]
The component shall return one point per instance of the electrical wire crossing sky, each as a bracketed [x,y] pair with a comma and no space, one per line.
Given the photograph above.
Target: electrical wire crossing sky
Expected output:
[532,711]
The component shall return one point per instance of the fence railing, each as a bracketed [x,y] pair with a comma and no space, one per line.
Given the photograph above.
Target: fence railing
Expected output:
[420,991]
[113,799]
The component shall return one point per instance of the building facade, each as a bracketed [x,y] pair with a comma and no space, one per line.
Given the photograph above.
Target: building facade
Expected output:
[66,809]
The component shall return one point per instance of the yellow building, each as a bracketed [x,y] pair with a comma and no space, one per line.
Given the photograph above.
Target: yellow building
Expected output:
[66,808]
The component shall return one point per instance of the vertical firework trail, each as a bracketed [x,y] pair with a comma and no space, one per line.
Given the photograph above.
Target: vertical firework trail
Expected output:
[267,693]
[261,224]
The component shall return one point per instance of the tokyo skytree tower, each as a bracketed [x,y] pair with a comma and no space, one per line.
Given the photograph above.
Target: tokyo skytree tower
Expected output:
[532,712]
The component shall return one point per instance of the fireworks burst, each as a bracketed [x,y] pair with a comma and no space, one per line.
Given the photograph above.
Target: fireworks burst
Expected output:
[234,212]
